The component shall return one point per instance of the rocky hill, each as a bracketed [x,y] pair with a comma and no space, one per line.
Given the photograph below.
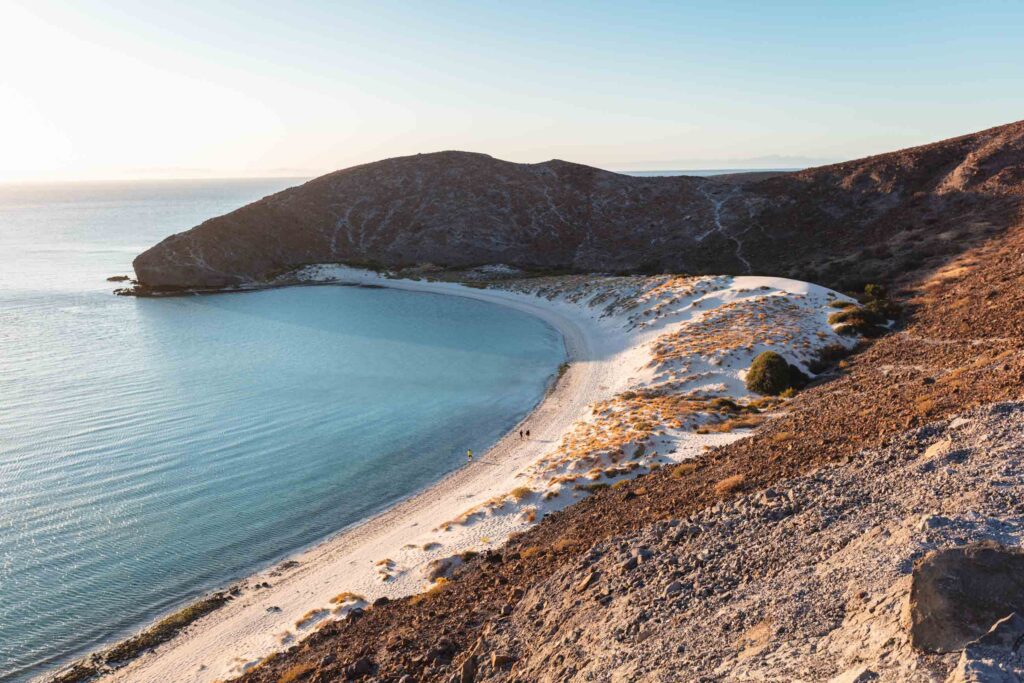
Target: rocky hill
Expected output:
[871,533]
[840,225]
[847,552]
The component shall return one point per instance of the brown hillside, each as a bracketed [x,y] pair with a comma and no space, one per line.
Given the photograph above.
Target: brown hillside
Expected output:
[840,225]
[962,345]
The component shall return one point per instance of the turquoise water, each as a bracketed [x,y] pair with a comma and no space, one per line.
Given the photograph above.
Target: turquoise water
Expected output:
[153,449]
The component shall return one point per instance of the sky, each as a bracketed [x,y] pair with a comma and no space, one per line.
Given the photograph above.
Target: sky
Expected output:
[95,89]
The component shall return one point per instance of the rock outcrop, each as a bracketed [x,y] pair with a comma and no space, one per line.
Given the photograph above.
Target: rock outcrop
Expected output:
[840,225]
[958,593]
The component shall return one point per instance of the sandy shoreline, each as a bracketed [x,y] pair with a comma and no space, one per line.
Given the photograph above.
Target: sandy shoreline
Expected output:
[226,642]
[648,359]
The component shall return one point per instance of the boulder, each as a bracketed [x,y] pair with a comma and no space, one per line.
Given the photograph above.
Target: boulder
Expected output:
[956,594]
[995,657]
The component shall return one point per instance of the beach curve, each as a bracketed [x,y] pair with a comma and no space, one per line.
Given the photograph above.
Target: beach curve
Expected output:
[264,620]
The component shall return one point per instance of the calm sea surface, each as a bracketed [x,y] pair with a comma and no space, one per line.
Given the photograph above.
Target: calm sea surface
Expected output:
[153,449]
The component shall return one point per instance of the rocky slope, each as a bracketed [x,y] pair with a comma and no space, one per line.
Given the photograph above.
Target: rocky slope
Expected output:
[801,568]
[839,225]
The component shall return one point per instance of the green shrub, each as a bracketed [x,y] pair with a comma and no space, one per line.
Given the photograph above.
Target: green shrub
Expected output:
[877,300]
[797,378]
[769,374]
[857,315]
[875,293]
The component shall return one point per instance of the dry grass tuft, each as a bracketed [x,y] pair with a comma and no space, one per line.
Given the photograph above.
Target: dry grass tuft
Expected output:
[730,484]
[436,589]
[347,596]
[297,672]
[310,616]
[521,492]
[530,551]
[683,469]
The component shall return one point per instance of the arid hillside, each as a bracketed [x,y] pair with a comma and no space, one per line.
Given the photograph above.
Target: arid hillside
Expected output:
[791,549]
[840,225]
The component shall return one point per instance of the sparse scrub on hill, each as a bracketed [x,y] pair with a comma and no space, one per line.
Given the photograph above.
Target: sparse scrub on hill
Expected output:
[744,422]
[828,356]
[439,584]
[877,300]
[858,321]
[683,469]
[868,319]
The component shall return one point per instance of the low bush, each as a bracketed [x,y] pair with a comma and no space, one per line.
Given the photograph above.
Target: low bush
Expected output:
[769,374]
[862,321]
[828,356]
[683,469]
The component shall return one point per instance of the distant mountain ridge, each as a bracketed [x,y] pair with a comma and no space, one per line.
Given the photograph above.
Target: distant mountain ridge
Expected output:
[841,224]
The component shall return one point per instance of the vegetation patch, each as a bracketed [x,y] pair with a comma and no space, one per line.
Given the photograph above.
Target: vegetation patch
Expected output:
[730,484]
[521,492]
[296,673]
[769,374]
[828,356]
[165,629]
[347,596]
[436,589]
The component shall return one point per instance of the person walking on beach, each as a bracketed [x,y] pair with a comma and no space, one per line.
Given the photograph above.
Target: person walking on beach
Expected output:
[520,433]
[527,433]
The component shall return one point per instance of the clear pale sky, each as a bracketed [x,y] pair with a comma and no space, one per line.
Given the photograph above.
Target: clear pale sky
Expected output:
[175,88]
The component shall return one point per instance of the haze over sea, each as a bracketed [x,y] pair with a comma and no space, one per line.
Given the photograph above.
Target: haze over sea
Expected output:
[154,449]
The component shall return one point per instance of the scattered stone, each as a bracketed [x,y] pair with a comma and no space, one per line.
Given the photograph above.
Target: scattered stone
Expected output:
[359,668]
[587,581]
[499,660]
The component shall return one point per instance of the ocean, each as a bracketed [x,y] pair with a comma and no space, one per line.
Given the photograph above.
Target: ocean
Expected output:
[152,450]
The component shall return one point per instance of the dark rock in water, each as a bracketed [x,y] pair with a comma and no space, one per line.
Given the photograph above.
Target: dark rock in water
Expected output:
[118,278]
[841,225]
[957,594]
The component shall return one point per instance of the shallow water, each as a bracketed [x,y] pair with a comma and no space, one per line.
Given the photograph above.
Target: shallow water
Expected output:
[152,449]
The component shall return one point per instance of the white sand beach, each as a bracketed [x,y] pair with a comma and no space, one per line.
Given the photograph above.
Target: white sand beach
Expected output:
[622,336]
